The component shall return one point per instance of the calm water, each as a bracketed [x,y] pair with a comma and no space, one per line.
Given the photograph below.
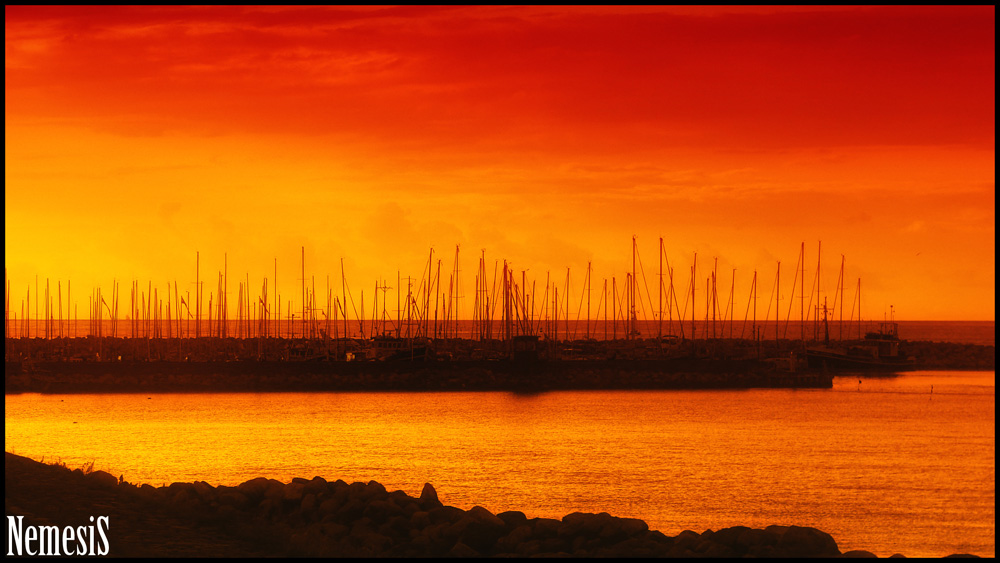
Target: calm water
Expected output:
[884,465]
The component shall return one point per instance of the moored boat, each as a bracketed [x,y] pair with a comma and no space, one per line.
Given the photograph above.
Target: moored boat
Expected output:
[878,351]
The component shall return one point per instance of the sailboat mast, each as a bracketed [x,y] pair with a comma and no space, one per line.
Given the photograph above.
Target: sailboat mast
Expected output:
[659,297]
[694,267]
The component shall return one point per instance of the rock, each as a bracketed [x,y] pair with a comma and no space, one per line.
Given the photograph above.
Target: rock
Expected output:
[709,548]
[446,514]
[513,518]
[356,490]
[730,537]
[293,491]
[400,498]
[545,527]
[275,490]
[800,541]
[147,492]
[529,548]
[381,510]
[686,540]
[484,516]
[754,539]
[633,526]
[858,554]
[204,490]
[429,497]
[234,498]
[583,523]
[897,556]
[462,550]
[254,488]
[374,489]
[554,545]
[510,542]
[308,503]
[420,520]
[316,486]
[482,531]
[962,555]
[329,506]
[396,527]
[103,479]
[350,511]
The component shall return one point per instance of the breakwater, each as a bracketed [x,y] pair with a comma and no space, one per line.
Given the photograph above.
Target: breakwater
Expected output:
[316,517]
[107,364]
[453,375]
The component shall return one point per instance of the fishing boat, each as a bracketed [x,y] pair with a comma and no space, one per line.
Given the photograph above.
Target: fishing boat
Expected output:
[878,351]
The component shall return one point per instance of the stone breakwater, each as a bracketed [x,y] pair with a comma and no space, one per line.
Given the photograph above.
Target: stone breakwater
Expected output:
[315,517]
[472,375]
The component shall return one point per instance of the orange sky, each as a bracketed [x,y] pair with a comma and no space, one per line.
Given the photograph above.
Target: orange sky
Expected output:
[548,136]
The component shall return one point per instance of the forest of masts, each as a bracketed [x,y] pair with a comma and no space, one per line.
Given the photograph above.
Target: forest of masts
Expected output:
[505,305]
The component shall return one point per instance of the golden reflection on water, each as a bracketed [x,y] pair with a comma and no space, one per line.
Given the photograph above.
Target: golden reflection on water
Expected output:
[885,465]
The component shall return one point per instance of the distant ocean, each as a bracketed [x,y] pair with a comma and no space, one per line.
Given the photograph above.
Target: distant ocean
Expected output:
[963,332]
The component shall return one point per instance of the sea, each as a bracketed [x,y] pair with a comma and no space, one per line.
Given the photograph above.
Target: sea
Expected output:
[890,464]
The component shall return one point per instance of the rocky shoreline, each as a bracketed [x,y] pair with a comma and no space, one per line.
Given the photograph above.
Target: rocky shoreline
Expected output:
[317,518]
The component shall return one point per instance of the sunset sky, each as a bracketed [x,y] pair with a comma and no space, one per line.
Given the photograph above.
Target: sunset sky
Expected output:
[136,137]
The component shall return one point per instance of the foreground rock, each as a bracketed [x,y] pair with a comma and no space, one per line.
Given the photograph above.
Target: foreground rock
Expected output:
[314,517]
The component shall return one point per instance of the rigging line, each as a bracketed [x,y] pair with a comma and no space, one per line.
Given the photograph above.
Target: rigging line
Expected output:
[648,296]
[687,293]
[769,301]
[493,299]
[753,286]
[579,309]
[791,301]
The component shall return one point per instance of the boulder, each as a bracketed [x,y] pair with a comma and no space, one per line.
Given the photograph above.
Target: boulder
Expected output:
[350,511]
[204,490]
[730,537]
[582,523]
[381,510]
[633,526]
[254,488]
[293,491]
[483,530]
[858,554]
[446,514]
[234,498]
[374,489]
[801,541]
[420,520]
[484,516]
[429,497]
[687,540]
[462,550]
[513,518]
[510,542]
[103,479]
[275,490]
[316,486]
[545,527]
[329,507]
[308,503]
